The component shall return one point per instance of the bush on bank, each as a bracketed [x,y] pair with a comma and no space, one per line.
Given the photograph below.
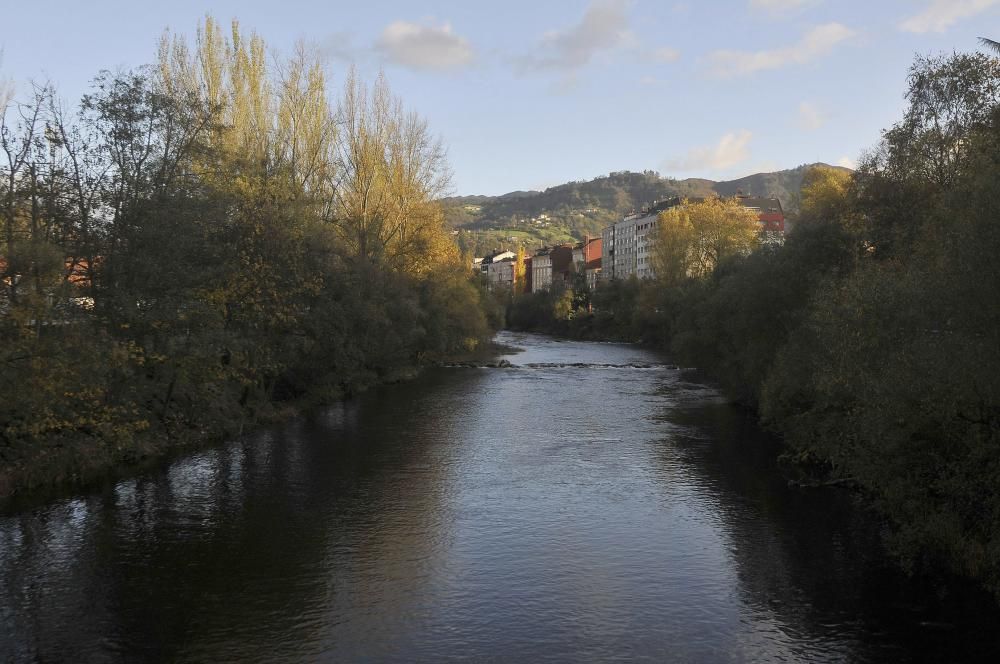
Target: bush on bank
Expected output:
[871,339]
[205,239]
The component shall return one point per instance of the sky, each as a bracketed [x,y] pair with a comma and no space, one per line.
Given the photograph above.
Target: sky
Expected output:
[528,94]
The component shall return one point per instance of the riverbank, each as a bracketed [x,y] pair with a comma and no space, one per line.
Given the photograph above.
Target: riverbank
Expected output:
[418,520]
[73,463]
[844,424]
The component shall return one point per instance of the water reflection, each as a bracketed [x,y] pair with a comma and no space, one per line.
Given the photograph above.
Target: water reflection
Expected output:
[546,512]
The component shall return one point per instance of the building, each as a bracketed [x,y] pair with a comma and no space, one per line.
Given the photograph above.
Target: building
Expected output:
[587,259]
[483,264]
[562,262]
[551,264]
[501,273]
[541,270]
[495,267]
[628,246]
[558,264]
[772,217]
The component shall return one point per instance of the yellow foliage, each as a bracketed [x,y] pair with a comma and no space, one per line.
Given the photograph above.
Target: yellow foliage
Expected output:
[824,192]
[693,238]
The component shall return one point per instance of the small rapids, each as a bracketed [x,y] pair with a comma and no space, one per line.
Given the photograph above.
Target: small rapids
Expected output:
[595,365]
[504,364]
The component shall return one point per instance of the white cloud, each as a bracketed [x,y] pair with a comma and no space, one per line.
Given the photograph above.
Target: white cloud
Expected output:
[664,54]
[942,14]
[780,6]
[6,90]
[340,46]
[816,43]
[811,117]
[847,162]
[728,152]
[604,27]
[424,47]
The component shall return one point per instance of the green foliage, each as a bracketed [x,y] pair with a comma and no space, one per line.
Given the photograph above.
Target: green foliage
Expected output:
[200,243]
[576,209]
[624,310]
[871,339]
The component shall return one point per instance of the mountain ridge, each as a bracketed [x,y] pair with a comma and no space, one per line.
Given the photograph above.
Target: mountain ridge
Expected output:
[528,193]
[580,208]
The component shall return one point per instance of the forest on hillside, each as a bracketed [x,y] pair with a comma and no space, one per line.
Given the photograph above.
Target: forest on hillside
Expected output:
[577,209]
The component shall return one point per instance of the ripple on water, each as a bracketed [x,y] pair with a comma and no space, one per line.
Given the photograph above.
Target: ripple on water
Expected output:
[593,503]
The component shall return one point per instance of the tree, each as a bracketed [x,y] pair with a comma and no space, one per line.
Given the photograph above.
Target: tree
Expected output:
[520,271]
[693,238]
[243,241]
[951,98]
[990,44]
[824,191]
[892,377]
[390,171]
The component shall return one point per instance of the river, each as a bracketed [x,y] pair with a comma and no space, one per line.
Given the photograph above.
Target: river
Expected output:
[591,503]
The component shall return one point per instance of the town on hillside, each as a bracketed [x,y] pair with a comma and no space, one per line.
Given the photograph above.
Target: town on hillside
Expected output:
[623,250]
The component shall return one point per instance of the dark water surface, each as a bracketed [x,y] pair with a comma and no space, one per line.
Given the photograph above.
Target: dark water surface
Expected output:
[577,514]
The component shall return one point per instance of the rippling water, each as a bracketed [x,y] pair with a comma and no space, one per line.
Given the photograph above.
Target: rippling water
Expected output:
[592,503]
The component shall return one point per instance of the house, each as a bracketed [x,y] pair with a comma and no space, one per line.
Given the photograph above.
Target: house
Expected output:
[772,217]
[558,264]
[501,272]
[587,259]
[562,262]
[484,262]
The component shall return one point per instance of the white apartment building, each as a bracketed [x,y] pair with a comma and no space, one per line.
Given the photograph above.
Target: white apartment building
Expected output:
[541,272]
[628,247]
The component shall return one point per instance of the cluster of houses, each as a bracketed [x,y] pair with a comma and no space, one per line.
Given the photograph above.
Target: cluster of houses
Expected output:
[623,250]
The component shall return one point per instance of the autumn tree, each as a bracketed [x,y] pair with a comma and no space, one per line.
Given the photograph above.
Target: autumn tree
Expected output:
[390,171]
[243,240]
[693,238]
[520,270]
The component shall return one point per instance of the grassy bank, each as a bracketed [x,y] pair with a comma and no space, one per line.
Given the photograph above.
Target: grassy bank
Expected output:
[72,463]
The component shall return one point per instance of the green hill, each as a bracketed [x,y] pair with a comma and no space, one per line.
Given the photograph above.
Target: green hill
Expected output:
[577,209]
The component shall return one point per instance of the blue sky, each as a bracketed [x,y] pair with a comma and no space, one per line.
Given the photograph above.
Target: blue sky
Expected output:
[528,94]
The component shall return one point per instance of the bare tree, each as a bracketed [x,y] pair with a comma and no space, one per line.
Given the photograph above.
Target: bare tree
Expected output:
[20,140]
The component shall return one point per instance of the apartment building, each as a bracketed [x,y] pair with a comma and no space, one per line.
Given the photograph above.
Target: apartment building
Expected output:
[628,244]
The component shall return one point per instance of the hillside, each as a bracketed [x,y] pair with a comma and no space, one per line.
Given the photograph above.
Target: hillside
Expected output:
[576,209]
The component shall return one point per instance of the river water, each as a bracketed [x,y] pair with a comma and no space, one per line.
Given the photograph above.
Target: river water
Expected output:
[615,509]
